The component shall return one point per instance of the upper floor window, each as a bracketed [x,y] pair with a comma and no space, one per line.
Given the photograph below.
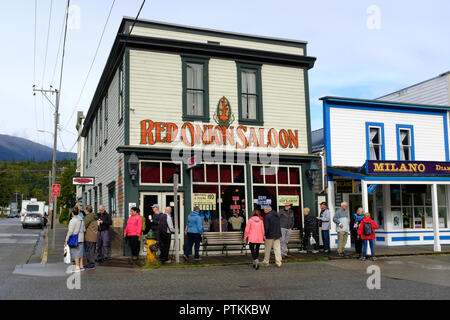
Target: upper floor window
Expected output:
[375,141]
[121,92]
[105,111]
[195,89]
[250,94]
[405,143]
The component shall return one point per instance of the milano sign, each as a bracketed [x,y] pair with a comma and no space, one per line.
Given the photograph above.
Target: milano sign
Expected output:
[408,168]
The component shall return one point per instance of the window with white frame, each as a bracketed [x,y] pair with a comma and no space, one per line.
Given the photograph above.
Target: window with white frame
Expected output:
[159,172]
[405,143]
[375,143]
[194,89]
[220,192]
[274,185]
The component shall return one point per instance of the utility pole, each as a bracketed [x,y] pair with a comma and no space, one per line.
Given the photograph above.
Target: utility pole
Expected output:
[175,214]
[55,142]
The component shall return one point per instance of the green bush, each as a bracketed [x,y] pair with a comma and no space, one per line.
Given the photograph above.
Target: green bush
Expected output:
[64,217]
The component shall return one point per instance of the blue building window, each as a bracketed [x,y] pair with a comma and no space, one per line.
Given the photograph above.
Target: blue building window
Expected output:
[405,142]
[375,146]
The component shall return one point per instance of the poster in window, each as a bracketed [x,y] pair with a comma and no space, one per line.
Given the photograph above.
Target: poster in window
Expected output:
[282,199]
[397,220]
[206,201]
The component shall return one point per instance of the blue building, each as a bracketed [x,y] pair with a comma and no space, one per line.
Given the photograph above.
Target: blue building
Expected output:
[391,159]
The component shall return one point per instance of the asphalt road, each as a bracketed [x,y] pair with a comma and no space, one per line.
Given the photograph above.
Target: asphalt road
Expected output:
[412,277]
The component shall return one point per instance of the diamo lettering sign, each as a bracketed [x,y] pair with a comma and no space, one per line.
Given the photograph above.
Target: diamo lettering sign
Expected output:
[239,137]
[409,167]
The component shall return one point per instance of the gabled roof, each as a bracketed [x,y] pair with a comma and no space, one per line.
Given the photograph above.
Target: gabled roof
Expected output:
[377,103]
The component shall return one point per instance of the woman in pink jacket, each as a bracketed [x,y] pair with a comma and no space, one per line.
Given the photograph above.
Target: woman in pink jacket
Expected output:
[133,231]
[254,235]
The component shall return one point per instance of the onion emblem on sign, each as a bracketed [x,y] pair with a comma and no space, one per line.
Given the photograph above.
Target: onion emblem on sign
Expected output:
[223,116]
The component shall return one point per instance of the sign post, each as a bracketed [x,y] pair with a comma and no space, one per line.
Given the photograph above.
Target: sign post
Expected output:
[56,192]
[175,213]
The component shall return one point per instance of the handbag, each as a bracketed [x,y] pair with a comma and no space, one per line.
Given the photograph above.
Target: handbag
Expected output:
[73,239]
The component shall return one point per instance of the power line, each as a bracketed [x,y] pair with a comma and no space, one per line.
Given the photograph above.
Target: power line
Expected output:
[64,49]
[92,64]
[59,46]
[137,16]
[35,30]
[48,36]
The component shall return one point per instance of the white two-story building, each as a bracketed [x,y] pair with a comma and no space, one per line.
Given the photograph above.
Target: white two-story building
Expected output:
[392,159]
[237,103]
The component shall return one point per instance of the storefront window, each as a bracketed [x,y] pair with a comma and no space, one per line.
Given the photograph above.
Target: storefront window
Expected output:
[158,172]
[416,206]
[221,197]
[276,186]
[150,172]
[395,195]
[225,173]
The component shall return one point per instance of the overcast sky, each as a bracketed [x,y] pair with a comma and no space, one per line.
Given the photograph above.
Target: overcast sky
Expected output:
[364,49]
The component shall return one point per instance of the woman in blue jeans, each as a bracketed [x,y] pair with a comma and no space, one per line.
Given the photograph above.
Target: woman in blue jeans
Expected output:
[194,232]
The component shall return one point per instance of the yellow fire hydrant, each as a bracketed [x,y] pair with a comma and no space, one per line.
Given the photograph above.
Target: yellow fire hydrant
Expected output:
[151,247]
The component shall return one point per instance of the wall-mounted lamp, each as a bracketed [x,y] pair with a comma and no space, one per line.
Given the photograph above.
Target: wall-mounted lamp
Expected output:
[133,166]
[312,173]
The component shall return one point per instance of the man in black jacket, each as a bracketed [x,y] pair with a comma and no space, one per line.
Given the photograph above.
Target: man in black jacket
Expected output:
[104,222]
[272,230]
[310,229]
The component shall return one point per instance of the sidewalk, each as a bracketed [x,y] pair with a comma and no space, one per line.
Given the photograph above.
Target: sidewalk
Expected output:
[56,255]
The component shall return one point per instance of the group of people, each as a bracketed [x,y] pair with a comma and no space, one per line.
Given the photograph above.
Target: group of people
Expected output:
[161,224]
[362,229]
[92,230]
[273,229]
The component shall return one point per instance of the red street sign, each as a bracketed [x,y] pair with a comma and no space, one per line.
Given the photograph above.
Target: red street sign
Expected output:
[83,181]
[56,190]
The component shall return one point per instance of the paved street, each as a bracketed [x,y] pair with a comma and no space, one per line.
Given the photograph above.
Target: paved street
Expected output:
[406,277]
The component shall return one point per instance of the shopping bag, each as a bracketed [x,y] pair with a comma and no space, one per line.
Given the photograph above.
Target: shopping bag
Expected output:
[67,259]
[312,241]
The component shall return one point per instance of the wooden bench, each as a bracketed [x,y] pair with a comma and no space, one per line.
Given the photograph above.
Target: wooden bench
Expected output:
[295,238]
[223,239]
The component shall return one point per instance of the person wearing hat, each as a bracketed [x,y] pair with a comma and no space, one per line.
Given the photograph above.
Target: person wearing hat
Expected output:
[154,221]
[287,223]
[324,223]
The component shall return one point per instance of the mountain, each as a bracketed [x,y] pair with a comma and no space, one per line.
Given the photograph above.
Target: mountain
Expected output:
[20,149]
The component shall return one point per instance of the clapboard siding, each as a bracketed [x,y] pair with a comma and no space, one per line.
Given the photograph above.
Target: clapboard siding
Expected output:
[156,93]
[104,166]
[178,35]
[348,135]
[435,91]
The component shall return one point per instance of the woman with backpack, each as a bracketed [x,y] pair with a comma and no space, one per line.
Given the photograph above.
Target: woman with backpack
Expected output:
[366,231]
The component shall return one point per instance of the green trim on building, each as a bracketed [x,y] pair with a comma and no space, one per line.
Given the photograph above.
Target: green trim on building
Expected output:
[127,97]
[259,121]
[308,110]
[205,62]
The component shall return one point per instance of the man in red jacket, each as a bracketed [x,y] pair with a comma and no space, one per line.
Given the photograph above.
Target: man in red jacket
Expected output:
[366,231]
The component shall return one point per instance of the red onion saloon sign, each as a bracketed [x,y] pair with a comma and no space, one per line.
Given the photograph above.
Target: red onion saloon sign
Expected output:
[240,137]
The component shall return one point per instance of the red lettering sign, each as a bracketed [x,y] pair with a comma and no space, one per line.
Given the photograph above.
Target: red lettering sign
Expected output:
[56,190]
